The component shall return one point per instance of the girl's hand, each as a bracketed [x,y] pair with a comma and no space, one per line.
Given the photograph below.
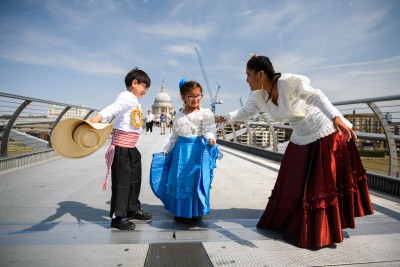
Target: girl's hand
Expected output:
[341,127]
[212,142]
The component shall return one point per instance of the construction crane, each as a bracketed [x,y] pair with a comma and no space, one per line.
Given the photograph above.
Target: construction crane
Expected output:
[213,97]
[241,102]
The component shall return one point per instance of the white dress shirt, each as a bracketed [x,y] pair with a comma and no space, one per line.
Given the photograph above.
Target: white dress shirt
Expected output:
[150,117]
[122,108]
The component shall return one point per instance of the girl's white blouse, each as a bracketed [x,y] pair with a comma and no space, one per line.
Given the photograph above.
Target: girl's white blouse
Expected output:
[198,123]
[308,110]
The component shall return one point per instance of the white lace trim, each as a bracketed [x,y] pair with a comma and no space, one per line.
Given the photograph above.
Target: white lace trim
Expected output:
[305,140]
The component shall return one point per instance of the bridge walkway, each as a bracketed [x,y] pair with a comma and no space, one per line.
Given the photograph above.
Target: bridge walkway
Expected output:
[55,213]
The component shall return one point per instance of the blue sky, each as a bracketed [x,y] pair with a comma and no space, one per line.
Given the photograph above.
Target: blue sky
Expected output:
[78,52]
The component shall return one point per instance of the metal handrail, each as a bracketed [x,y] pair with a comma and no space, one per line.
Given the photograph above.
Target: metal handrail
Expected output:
[14,123]
[40,100]
[367,100]
[390,137]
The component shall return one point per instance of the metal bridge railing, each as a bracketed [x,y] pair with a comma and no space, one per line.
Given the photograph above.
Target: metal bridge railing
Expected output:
[26,125]
[375,120]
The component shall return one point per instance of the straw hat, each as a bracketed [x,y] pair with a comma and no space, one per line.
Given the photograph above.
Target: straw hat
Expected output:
[76,138]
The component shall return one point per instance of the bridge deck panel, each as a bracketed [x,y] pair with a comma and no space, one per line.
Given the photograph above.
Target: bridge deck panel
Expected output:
[55,213]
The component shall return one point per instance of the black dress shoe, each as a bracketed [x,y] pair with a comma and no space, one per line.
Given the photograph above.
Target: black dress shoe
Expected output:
[138,215]
[196,219]
[189,221]
[122,224]
[181,219]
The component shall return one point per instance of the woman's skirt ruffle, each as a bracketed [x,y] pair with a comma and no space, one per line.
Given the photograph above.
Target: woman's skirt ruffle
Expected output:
[320,189]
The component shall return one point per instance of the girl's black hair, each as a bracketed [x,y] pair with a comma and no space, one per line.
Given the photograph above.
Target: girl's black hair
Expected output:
[188,86]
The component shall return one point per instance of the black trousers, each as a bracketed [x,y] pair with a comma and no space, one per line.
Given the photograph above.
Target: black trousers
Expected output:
[126,177]
[149,126]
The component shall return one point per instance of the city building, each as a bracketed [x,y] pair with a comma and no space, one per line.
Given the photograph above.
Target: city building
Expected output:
[54,110]
[368,123]
[162,102]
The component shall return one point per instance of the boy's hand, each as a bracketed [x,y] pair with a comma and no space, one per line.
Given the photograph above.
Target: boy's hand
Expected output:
[95,119]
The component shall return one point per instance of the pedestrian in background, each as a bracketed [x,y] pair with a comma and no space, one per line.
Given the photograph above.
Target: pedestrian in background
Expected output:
[163,122]
[149,122]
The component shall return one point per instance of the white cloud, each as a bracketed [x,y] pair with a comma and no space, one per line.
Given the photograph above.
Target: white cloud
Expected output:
[345,47]
[173,62]
[394,59]
[180,49]
[178,31]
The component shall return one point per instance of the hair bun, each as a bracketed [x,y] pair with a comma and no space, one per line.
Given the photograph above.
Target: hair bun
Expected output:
[182,82]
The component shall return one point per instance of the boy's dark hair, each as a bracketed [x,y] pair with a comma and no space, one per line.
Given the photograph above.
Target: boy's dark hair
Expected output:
[139,75]
[189,86]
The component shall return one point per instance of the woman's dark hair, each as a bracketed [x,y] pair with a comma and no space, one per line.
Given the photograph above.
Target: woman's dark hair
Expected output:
[262,63]
[258,63]
[188,86]
[139,75]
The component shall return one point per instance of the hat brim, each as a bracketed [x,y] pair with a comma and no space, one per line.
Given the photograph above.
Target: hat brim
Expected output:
[64,144]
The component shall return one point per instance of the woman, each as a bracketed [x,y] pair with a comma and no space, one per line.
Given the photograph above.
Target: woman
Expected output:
[322,185]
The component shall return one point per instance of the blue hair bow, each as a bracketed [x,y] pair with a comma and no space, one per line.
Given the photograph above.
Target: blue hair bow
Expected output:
[182,82]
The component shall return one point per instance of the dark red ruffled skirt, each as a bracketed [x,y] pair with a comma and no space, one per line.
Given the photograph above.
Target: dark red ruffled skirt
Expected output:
[320,189]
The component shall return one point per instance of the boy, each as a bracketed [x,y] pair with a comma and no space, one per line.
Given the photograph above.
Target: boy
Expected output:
[122,157]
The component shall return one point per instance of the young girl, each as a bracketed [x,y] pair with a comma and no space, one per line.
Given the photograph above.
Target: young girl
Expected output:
[193,160]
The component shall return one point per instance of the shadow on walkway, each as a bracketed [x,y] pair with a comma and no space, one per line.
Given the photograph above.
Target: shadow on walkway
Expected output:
[82,213]
[217,221]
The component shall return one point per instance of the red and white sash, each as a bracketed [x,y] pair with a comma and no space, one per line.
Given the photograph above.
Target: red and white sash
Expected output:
[122,139]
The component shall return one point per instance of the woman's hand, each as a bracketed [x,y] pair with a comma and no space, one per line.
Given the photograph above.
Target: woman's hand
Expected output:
[220,119]
[212,141]
[341,127]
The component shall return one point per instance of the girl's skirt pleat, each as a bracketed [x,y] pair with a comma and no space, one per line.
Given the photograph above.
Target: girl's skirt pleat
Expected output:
[182,198]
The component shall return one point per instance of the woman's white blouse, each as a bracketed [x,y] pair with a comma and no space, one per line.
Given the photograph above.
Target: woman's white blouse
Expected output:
[198,123]
[308,110]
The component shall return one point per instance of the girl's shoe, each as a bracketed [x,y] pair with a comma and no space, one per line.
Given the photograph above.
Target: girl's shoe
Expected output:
[195,220]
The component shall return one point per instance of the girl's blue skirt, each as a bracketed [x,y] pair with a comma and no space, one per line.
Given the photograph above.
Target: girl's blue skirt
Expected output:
[185,190]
